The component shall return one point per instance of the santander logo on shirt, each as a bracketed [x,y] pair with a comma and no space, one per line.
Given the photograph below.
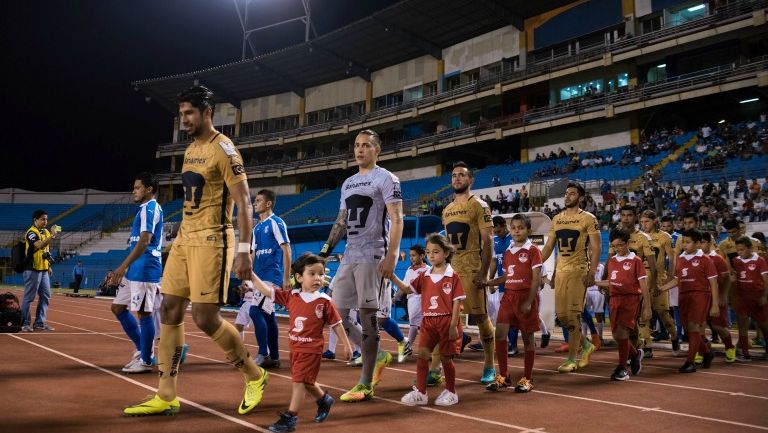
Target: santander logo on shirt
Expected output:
[298,324]
[433,302]
[614,274]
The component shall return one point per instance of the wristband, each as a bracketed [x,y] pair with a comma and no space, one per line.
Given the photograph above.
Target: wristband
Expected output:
[324,250]
[244,247]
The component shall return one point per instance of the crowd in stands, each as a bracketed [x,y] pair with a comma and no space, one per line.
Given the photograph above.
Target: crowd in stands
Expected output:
[727,141]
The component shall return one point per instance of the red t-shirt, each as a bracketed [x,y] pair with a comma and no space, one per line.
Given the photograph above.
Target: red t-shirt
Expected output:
[309,312]
[723,274]
[519,263]
[624,274]
[438,291]
[749,275]
[693,272]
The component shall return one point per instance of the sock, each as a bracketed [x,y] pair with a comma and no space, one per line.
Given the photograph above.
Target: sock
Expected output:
[501,357]
[623,350]
[147,338]
[353,329]
[487,336]
[370,343]
[528,363]
[131,327]
[668,323]
[703,347]
[390,326]
[449,370]
[586,316]
[422,368]
[543,326]
[332,339]
[694,341]
[413,331]
[168,358]
[600,330]
[272,335]
[260,329]
[512,337]
[227,339]
[566,334]
[744,344]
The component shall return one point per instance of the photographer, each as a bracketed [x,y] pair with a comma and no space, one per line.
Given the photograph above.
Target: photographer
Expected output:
[38,271]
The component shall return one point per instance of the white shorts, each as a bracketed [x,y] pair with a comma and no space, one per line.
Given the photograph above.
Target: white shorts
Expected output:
[242,316]
[674,293]
[595,301]
[357,285]
[134,294]
[266,304]
[385,302]
[494,299]
[414,310]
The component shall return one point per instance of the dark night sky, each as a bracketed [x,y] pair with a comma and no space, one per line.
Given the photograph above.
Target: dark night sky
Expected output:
[71,118]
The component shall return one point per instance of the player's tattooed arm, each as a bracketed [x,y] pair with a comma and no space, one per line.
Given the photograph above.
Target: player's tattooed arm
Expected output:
[337,232]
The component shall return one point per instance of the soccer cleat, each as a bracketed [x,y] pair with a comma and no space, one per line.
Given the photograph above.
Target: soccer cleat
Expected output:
[476,347]
[512,351]
[499,383]
[415,398]
[706,360]
[183,357]
[620,373]
[586,351]
[383,359]
[435,377]
[254,391]
[568,366]
[757,341]
[596,341]
[698,359]
[324,407]
[489,375]
[562,349]
[329,355]
[357,359]
[286,423]
[688,367]
[744,358]
[408,349]
[154,406]
[44,327]
[270,363]
[27,328]
[647,352]
[524,385]
[465,339]
[636,363]
[730,355]
[259,359]
[545,340]
[675,347]
[359,393]
[138,367]
[446,398]
[136,356]
[401,346]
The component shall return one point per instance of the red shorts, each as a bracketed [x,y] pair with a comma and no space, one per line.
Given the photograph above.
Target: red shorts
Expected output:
[694,307]
[509,311]
[722,319]
[434,331]
[624,311]
[305,367]
[748,306]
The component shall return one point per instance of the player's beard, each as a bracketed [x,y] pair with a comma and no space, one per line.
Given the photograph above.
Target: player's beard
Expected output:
[572,204]
[460,190]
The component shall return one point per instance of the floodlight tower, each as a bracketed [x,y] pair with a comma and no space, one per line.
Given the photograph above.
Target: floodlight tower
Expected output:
[243,6]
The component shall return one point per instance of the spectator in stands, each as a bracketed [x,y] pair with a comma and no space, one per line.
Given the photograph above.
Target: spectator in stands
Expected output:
[706,132]
[37,272]
[748,209]
[764,188]
[741,187]
[761,209]
[496,181]
[525,202]
[78,273]
[723,187]
[754,190]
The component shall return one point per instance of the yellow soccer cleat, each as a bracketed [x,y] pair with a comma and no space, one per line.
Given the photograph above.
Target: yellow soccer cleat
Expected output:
[254,391]
[586,351]
[382,361]
[359,393]
[730,355]
[568,366]
[154,406]
[699,359]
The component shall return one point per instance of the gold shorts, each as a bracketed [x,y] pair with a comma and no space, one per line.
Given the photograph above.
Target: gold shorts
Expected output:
[475,302]
[569,293]
[200,274]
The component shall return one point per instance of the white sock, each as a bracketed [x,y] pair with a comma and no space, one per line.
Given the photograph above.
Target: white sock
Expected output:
[543,326]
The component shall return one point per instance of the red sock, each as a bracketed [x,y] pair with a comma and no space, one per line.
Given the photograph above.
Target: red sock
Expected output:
[501,357]
[529,355]
[450,376]
[422,368]
[694,341]
[631,349]
[623,350]
[703,347]
[727,340]
[744,344]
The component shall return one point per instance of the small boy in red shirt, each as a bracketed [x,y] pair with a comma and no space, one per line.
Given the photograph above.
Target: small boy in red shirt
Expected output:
[751,299]
[628,288]
[696,278]
[720,323]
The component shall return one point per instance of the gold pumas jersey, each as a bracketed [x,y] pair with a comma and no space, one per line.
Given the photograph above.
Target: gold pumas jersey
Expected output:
[463,221]
[660,241]
[209,168]
[571,234]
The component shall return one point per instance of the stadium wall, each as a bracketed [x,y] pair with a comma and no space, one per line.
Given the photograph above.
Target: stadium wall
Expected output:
[78,196]
[335,94]
[482,50]
[407,74]
[410,169]
[224,114]
[586,137]
[269,107]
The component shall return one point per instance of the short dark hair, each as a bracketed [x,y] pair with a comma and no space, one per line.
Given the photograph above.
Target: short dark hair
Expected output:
[618,234]
[498,221]
[306,259]
[148,180]
[706,236]
[628,208]
[693,215]
[648,214]
[462,164]
[38,214]
[694,235]
[443,243]
[375,139]
[579,188]
[418,248]
[744,240]
[731,224]
[759,236]
[269,195]
[524,218]
[667,219]
[199,97]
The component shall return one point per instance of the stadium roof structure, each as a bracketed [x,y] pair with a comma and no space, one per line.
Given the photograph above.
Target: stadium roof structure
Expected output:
[405,30]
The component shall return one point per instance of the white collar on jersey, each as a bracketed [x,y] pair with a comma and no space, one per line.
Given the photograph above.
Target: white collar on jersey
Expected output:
[448,271]
[698,253]
[309,297]
[713,253]
[526,246]
[751,258]
[629,256]
[144,204]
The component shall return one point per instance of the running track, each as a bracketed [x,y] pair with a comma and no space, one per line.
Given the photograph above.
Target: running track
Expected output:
[69,380]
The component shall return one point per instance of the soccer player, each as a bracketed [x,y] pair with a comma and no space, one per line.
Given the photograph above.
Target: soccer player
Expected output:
[751,297]
[519,307]
[309,311]
[441,292]
[576,235]
[668,225]
[138,276]
[201,258]
[696,277]
[661,244]
[371,215]
[272,263]
[720,322]
[627,284]
[467,221]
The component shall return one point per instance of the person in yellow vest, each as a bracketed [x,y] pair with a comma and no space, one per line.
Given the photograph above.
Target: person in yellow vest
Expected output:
[37,272]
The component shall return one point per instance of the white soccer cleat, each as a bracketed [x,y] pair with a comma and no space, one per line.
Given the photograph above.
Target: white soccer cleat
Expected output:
[446,398]
[415,398]
[135,357]
[138,367]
